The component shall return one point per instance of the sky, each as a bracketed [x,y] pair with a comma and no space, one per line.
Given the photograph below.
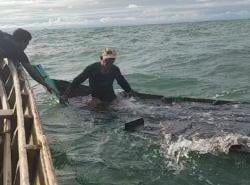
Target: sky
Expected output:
[90,13]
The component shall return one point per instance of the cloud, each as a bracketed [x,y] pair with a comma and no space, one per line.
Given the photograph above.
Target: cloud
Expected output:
[117,12]
[203,0]
[132,6]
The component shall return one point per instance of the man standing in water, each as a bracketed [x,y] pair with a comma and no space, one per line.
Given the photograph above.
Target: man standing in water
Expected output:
[101,76]
[13,46]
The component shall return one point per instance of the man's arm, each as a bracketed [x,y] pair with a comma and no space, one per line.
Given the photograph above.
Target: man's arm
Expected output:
[1,55]
[122,81]
[31,70]
[76,82]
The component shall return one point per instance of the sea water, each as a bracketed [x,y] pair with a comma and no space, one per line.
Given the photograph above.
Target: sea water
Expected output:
[203,60]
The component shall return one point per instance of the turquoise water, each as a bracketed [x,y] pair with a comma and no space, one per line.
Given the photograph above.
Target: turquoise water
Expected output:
[208,60]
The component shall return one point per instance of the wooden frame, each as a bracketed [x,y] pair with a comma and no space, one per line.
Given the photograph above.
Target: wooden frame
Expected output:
[24,151]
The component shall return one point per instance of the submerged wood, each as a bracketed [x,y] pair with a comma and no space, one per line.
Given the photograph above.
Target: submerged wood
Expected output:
[133,125]
[83,90]
[25,155]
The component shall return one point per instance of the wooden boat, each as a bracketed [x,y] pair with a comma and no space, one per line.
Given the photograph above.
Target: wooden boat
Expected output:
[25,158]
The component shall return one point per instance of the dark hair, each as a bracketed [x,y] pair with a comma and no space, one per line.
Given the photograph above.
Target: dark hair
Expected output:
[22,35]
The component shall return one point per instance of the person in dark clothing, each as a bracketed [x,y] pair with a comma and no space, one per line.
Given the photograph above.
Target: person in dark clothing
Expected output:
[13,46]
[101,76]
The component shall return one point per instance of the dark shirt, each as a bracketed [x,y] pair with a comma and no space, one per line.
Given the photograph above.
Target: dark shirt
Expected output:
[101,85]
[9,49]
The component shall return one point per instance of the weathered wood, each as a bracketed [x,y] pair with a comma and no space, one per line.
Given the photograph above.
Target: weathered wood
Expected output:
[7,176]
[14,137]
[33,157]
[23,161]
[14,152]
[28,150]
[1,92]
[12,97]
[1,175]
[6,113]
[8,84]
[25,98]
[28,126]
[16,180]
[45,155]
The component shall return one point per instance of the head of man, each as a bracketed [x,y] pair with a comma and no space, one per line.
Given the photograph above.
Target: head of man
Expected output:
[22,38]
[107,57]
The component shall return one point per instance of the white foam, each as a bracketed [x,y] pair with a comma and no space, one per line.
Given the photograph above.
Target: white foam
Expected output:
[177,149]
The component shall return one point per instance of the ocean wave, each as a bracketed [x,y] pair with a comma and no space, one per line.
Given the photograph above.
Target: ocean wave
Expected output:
[179,149]
[67,22]
[51,23]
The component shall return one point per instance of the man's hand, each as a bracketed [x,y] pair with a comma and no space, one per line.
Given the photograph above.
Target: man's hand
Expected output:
[48,89]
[63,99]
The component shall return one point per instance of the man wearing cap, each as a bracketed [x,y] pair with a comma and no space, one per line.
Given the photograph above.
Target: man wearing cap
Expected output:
[13,46]
[101,76]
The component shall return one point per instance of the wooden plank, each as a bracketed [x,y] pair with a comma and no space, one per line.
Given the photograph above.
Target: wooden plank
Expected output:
[16,180]
[1,92]
[23,160]
[12,97]
[25,98]
[7,176]
[33,158]
[1,163]
[28,126]
[40,170]
[8,84]
[6,113]
[14,137]
[14,153]
[46,169]
[7,173]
